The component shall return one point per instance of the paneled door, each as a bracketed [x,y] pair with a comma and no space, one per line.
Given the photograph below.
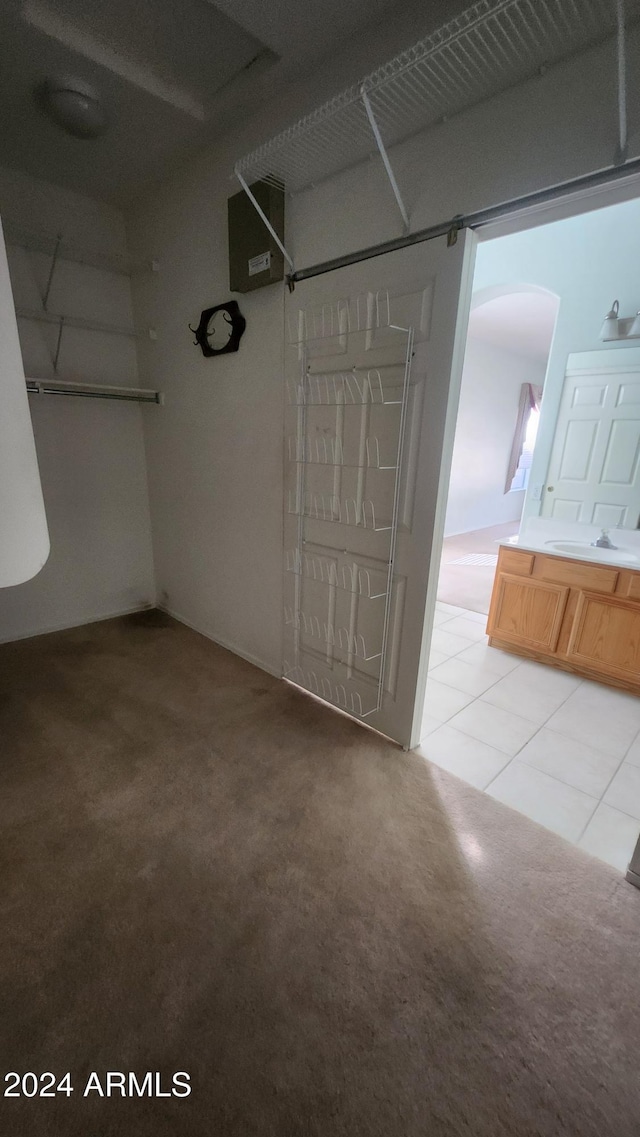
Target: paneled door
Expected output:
[373,364]
[594,470]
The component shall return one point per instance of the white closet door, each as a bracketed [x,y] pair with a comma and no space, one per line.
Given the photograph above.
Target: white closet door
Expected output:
[24,538]
[374,356]
[594,470]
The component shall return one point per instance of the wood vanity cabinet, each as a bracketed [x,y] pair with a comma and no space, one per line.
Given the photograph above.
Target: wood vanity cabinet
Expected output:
[577,615]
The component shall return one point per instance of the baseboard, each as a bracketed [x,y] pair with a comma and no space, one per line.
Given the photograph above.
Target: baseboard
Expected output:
[221,642]
[65,626]
[479,528]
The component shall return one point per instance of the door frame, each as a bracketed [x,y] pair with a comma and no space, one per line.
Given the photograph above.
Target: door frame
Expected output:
[574,203]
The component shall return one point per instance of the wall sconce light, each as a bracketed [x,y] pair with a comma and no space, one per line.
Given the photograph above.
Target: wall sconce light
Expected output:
[617,327]
[609,329]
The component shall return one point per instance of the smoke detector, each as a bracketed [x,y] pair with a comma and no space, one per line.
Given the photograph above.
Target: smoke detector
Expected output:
[73,105]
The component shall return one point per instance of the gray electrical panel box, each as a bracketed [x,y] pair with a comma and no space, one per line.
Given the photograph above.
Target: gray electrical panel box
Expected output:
[254,257]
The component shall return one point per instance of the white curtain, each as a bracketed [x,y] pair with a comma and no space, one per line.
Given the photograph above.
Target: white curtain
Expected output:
[530,399]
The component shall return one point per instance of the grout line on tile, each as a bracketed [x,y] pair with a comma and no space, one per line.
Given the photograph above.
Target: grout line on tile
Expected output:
[534,735]
[632,743]
[557,730]
[584,829]
[610,781]
[502,771]
[474,698]
[467,735]
[587,824]
[620,810]
[514,757]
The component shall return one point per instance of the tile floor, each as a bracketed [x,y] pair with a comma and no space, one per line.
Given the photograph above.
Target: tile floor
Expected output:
[563,750]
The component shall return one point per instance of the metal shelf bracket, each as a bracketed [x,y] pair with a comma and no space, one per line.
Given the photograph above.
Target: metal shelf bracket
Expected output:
[264,217]
[385,157]
[56,357]
[54,261]
[622,151]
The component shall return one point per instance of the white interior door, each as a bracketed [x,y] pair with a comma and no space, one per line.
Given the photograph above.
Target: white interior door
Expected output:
[594,469]
[373,367]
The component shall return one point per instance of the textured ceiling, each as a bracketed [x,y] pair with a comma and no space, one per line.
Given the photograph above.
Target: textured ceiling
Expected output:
[170,72]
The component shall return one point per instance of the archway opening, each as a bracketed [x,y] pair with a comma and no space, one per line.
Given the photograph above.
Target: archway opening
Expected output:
[508,344]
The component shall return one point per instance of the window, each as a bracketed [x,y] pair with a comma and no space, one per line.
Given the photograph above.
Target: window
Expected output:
[524,439]
[520,479]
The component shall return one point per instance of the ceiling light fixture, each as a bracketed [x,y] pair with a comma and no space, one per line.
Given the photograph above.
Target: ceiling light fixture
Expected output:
[73,105]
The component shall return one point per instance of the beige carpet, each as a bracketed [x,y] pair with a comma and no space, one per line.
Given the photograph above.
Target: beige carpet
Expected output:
[470,586]
[205,870]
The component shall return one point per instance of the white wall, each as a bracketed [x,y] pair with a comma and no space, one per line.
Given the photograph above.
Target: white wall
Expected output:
[489,399]
[588,261]
[214,453]
[90,452]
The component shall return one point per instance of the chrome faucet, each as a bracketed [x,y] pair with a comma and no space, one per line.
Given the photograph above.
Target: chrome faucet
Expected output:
[603,541]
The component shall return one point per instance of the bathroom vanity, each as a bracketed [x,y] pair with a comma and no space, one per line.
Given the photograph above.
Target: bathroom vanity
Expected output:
[567,592]
[582,615]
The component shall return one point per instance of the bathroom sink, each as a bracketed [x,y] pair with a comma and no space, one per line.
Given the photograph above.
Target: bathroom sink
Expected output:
[591,553]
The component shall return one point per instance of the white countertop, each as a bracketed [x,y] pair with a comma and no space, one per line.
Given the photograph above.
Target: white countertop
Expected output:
[540,536]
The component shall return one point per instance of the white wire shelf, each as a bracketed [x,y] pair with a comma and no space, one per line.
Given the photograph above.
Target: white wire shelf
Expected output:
[340,639]
[326,450]
[365,583]
[80,322]
[357,388]
[35,241]
[336,693]
[493,45]
[339,511]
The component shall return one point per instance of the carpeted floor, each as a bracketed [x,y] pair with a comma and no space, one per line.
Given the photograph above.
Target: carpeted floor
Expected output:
[470,586]
[205,871]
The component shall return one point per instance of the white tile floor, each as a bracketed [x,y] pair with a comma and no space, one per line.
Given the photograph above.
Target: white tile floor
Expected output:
[560,749]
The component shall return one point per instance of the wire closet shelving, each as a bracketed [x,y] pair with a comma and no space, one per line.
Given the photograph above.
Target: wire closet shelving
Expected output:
[493,45]
[58,249]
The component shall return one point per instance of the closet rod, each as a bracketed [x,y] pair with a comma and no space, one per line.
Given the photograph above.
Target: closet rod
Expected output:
[89,391]
[476,220]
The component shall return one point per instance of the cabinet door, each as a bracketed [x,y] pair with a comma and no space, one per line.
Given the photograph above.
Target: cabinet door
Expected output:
[527,612]
[606,635]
